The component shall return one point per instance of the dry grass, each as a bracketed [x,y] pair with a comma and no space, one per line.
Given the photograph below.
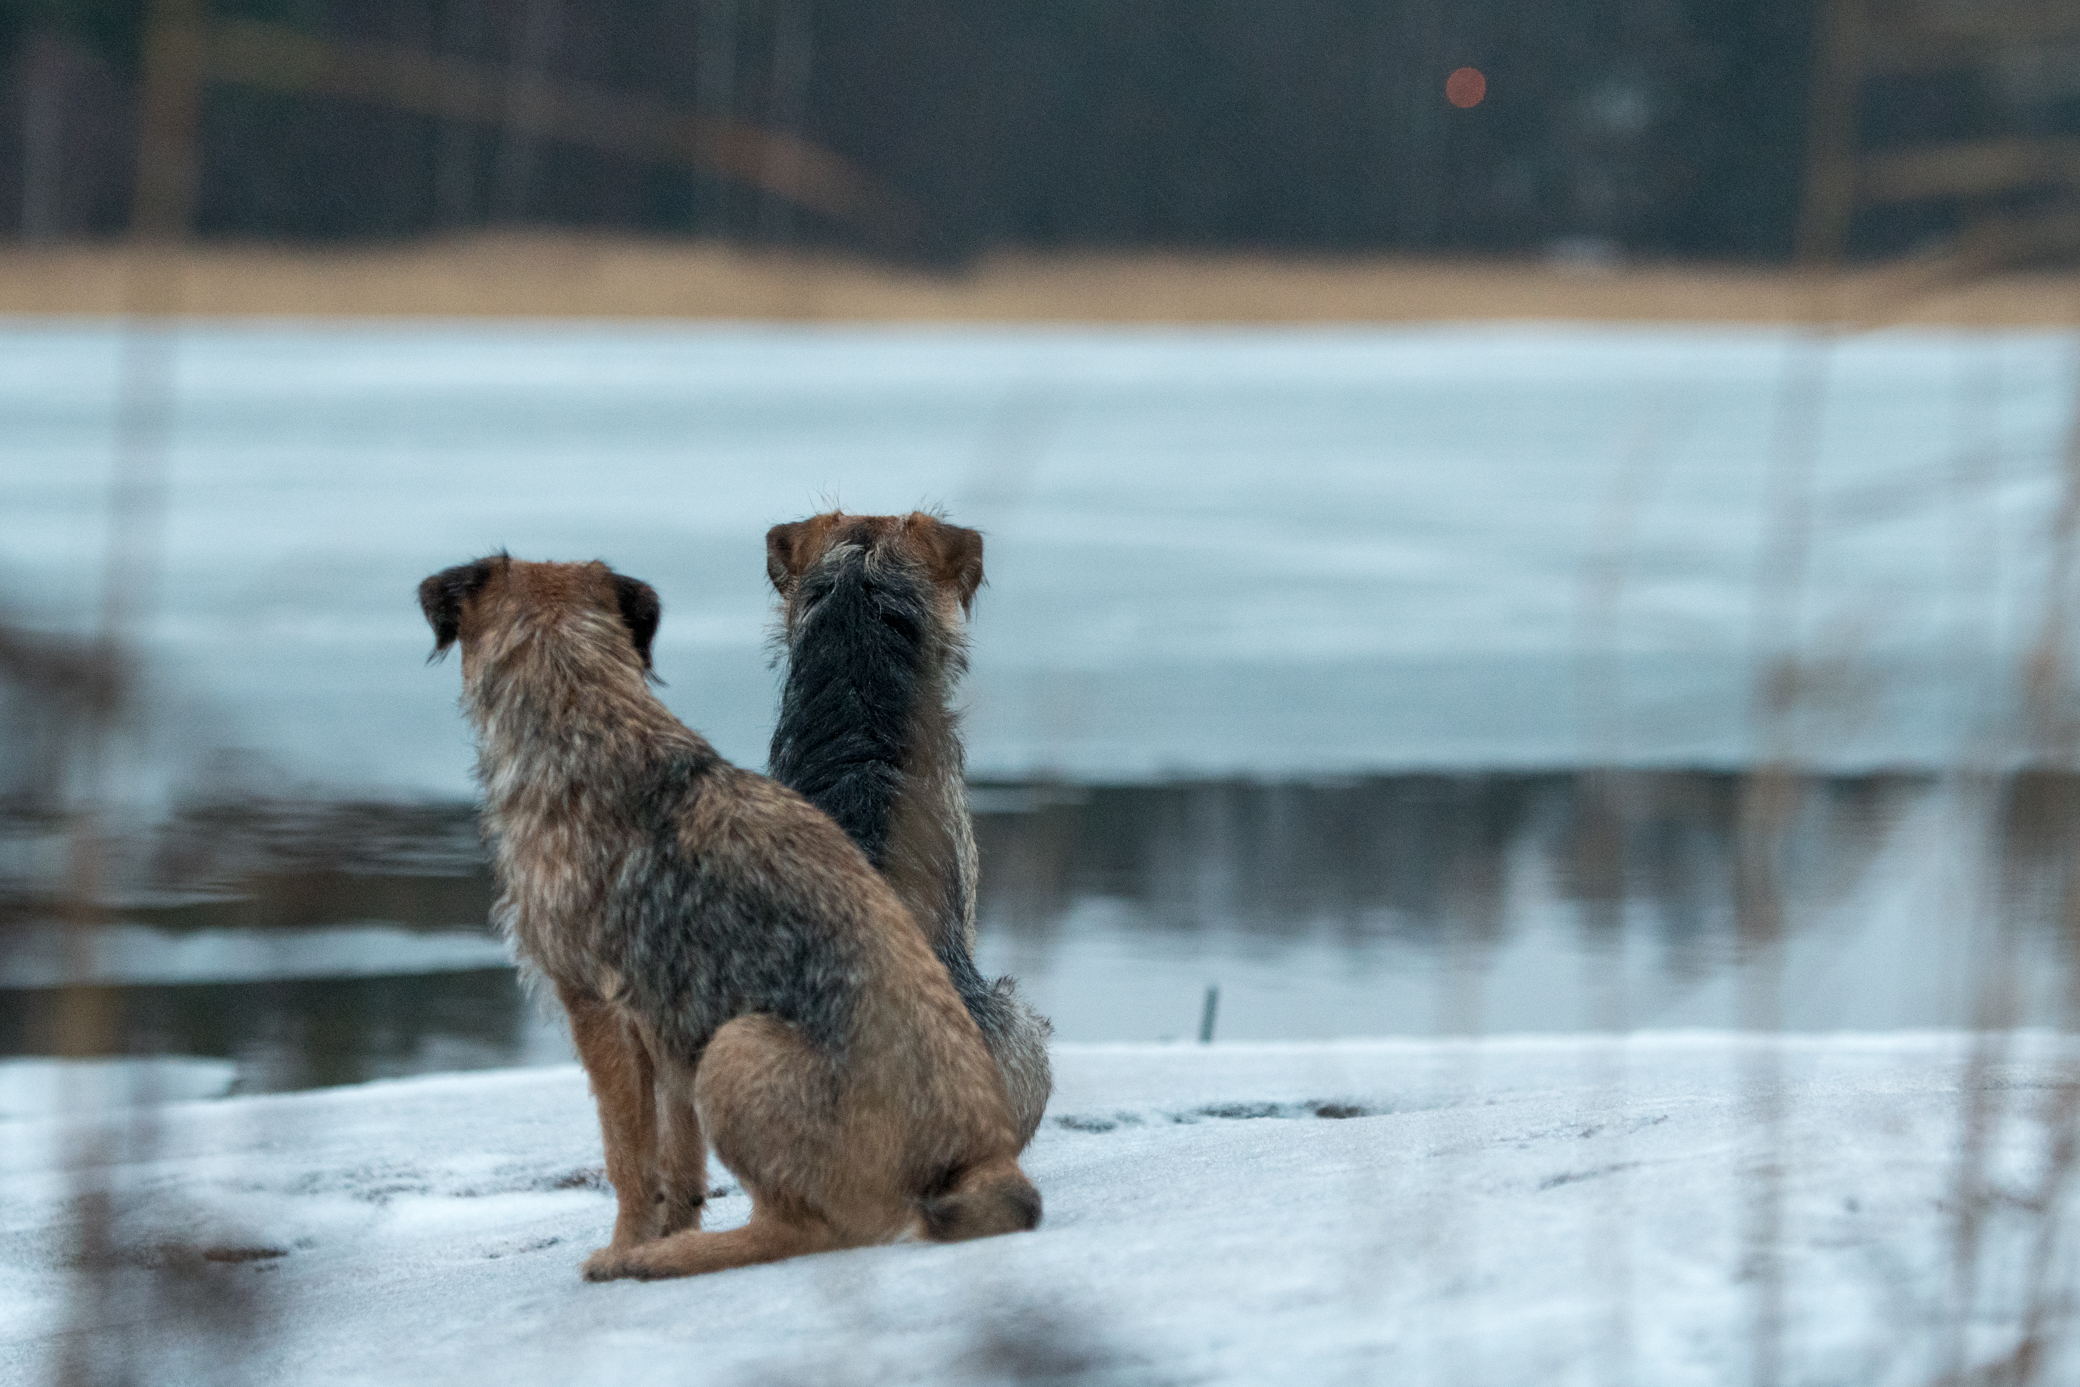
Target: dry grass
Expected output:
[557,277]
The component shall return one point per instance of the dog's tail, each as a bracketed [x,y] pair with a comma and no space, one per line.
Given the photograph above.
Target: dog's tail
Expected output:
[984,1200]
[1015,1034]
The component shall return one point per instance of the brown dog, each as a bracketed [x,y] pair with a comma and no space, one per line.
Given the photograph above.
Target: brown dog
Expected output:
[733,967]
[873,616]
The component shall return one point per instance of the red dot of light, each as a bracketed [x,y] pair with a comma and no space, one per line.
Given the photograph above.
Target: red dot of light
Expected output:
[1466,87]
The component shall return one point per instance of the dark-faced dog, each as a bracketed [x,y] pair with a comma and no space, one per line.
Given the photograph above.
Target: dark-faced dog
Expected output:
[873,618]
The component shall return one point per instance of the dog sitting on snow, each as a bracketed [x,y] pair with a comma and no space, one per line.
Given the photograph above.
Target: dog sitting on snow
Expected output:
[873,612]
[735,971]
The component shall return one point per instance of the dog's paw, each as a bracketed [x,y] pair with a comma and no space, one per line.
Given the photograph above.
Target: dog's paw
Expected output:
[607,1264]
[629,1264]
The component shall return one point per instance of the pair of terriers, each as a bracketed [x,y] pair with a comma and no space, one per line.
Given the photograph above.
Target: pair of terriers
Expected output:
[778,968]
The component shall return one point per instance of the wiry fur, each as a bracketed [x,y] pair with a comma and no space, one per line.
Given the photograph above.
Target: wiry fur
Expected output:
[873,625]
[734,970]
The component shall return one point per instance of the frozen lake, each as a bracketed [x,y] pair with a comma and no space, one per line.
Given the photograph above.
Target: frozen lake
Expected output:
[1295,647]
[1211,553]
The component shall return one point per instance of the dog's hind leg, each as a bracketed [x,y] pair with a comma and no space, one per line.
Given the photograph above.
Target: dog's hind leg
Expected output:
[768,1100]
[623,1085]
[768,1237]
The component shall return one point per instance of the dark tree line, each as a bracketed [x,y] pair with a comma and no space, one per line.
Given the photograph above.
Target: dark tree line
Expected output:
[1657,127]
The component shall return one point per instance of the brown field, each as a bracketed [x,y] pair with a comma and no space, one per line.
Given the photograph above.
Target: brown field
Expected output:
[561,277]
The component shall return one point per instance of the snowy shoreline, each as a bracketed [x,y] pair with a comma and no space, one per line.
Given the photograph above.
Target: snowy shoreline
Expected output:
[1505,1210]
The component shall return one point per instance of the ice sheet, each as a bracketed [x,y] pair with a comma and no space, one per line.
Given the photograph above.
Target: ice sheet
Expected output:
[55,1087]
[1265,552]
[132,954]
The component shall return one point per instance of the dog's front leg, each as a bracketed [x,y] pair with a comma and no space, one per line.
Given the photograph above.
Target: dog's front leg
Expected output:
[682,1153]
[619,1066]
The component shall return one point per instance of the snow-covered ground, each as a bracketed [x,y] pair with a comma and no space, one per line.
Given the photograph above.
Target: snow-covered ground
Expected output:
[1211,552]
[1502,1211]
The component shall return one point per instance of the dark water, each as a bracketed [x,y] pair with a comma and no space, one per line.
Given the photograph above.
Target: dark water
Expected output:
[1394,904]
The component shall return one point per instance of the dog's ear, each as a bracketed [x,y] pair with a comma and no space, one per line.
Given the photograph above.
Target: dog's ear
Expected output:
[953,554]
[441,597]
[789,550]
[640,611]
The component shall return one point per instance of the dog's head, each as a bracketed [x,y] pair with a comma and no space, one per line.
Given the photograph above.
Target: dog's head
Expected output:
[493,604]
[948,556]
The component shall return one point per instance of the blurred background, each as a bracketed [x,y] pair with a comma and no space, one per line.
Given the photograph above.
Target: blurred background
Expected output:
[1502,516]
[936,131]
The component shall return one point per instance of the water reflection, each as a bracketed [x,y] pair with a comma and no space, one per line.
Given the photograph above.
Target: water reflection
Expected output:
[1435,860]
[309,1033]
[1485,902]
[1391,904]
